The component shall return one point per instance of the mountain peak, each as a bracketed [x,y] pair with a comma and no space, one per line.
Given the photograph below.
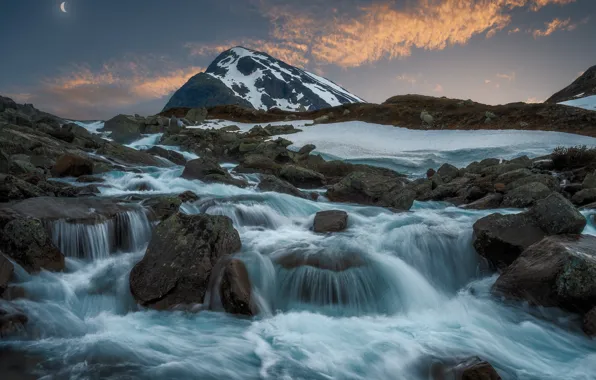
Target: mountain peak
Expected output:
[256,80]
[583,86]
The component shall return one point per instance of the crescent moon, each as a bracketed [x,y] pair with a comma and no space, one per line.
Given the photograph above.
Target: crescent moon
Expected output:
[63,7]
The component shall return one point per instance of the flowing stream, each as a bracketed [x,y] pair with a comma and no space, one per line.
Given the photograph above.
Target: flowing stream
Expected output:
[396,292]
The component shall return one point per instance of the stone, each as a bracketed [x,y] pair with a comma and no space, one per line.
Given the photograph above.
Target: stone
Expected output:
[90,179]
[27,242]
[188,196]
[197,115]
[512,176]
[430,173]
[489,201]
[589,181]
[307,149]
[558,271]
[180,258]
[448,172]
[322,119]
[125,155]
[547,180]
[13,188]
[589,322]
[72,165]
[500,188]
[11,319]
[426,118]
[281,129]
[302,177]
[477,167]
[525,195]
[330,221]
[208,170]
[556,215]
[124,129]
[236,289]
[163,207]
[174,125]
[472,368]
[175,157]
[584,197]
[6,271]
[372,189]
[272,183]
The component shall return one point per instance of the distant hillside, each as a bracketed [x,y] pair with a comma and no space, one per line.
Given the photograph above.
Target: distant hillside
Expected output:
[582,87]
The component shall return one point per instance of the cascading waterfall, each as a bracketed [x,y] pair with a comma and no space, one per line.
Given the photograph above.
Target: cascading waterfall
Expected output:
[380,300]
[127,231]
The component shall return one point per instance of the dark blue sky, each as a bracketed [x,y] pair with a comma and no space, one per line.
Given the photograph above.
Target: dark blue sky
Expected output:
[109,56]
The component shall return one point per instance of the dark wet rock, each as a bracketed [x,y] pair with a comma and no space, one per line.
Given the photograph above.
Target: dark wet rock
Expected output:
[124,155]
[230,128]
[477,167]
[489,201]
[14,293]
[72,165]
[372,189]
[65,134]
[522,160]
[556,215]
[236,289]
[27,242]
[430,173]
[584,197]
[526,195]
[543,164]
[209,171]
[272,183]
[589,181]
[90,179]
[171,155]
[180,259]
[469,369]
[558,271]
[258,131]
[307,149]
[302,177]
[188,196]
[512,176]
[497,170]
[13,188]
[547,180]
[448,172]
[6,271]
[500,188]
[589,322]
[454,191]
[124,128]
[258,164]
[163,207]
[11,319]
[502,238]
[572,188]
[62,189]
[330,221]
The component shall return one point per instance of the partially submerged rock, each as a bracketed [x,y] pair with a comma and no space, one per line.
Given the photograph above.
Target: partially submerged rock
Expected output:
[272,183]
[472,368]
[180,259]
[502,238]
[175,157]
[330,221]
[6,271]
[236,289]
[208,170]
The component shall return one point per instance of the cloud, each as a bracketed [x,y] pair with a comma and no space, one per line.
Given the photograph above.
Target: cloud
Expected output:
[534,100]
[438,88]
[411,79]
[553,26]
[82,92]
[509,77]
[513,31]
[487,81]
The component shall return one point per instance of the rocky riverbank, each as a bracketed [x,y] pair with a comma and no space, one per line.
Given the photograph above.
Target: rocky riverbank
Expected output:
[52,177]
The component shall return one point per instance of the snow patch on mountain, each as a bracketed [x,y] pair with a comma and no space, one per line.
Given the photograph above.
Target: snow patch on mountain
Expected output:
[588,103]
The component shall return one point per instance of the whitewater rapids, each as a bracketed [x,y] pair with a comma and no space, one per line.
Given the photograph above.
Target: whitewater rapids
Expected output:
[418,293]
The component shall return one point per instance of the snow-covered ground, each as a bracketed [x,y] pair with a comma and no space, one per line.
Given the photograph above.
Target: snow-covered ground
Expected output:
[588,102]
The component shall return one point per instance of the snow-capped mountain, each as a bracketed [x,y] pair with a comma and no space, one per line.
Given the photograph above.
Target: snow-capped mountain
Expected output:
[581,93]
[257,80]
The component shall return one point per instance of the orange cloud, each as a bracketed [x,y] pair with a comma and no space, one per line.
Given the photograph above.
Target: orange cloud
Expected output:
[438,88]
[509,77]
[553,26]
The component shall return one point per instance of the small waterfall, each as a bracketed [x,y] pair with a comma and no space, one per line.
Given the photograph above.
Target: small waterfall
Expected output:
[127,231]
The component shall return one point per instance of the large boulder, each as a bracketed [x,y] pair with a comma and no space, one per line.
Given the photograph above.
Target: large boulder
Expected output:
[196,115]
[469,369]
[546,179]
[558,271]
[180,259]
[448,172]
[272,183]
[330,221]
[525,195]
[164,206]
[124,128]
[13,188]
[72,165]
[208,170]
[502,238]
[489,201]
[6,271]
[372,189]
[302,177]
[27,242]
[589,181]
[125,155]
[236,289]
[584,197]
[172,155]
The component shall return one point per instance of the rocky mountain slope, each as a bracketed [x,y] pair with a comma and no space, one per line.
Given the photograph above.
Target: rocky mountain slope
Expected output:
[427,112]
[582,87]
[256,80]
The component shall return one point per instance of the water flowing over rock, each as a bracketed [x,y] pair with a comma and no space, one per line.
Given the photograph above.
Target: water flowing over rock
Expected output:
[11,319]
[208,170]
[6,271]
[557,271]
[502,238]
[171,155]
[180,259]
[469,369]
[330,221]
[235,289]
[272,183]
